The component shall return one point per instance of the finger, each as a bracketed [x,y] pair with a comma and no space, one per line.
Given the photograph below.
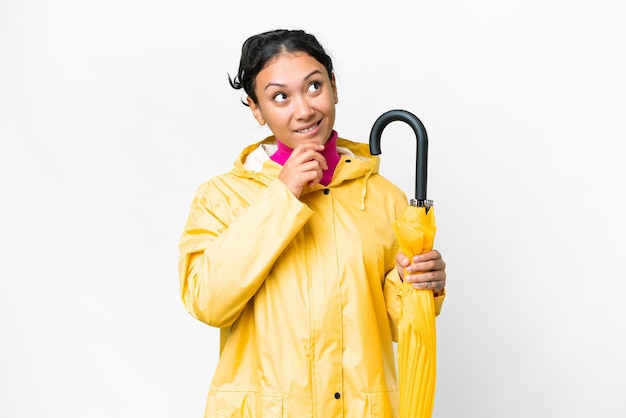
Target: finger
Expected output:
[297,175]
[309,151]
[428,255]
[307,157]
[402,260]
[435,286]
[436,278]
[319,158]
[322,161]
[428,265]
[304,164]
[431,284]
[311,173]
[304,152]
[308,146]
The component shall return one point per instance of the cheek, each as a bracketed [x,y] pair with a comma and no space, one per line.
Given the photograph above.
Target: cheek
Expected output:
[330,109]
[277,121]
[331,101]
[281,116]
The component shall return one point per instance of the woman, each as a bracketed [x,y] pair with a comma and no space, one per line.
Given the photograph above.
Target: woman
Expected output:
[292,254]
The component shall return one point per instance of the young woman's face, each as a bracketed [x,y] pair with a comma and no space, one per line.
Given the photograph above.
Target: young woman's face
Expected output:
[296,98]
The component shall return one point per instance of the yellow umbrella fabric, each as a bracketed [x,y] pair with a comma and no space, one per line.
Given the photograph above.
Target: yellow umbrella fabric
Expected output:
[417,342]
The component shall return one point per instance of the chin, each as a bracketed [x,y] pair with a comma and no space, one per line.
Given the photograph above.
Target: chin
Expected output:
[326,137]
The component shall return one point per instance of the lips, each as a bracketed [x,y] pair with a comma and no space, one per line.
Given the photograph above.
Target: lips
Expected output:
[309,129]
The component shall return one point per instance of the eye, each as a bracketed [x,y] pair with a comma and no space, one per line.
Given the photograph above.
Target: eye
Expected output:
[314,86]
[280,97]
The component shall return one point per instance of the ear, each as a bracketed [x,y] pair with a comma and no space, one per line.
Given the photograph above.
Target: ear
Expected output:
[256,111]
[334,84]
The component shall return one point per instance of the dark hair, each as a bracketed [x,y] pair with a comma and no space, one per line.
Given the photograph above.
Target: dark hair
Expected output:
[259,49]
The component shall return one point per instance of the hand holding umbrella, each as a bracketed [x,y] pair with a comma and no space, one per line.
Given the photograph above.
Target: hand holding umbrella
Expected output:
[415,232]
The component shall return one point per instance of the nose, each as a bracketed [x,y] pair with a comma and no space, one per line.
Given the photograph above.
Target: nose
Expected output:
[303,109]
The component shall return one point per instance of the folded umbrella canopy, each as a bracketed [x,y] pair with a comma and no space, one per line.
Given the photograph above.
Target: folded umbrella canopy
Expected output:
[415,231]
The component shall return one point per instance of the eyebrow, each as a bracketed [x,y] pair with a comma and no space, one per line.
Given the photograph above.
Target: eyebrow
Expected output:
[309,75]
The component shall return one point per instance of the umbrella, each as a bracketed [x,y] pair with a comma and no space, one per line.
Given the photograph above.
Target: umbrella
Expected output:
[415,232]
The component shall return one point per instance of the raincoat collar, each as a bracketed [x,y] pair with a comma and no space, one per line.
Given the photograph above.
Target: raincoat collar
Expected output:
[355,162]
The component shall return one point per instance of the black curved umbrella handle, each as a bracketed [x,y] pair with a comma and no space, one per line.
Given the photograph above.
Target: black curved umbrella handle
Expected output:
[421,163]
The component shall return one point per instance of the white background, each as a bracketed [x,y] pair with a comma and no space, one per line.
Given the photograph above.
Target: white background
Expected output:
[112,113]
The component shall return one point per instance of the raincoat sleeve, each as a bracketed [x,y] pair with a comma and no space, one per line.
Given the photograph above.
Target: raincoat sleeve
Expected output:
[228,248]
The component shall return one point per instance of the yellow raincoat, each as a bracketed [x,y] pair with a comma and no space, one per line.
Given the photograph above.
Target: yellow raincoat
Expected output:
[305,291]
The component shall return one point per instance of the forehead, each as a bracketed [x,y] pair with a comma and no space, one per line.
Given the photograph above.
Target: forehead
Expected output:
[289,66]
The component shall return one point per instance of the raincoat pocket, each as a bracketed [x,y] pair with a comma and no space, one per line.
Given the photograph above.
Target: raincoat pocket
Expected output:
[382,402]
[244,404]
